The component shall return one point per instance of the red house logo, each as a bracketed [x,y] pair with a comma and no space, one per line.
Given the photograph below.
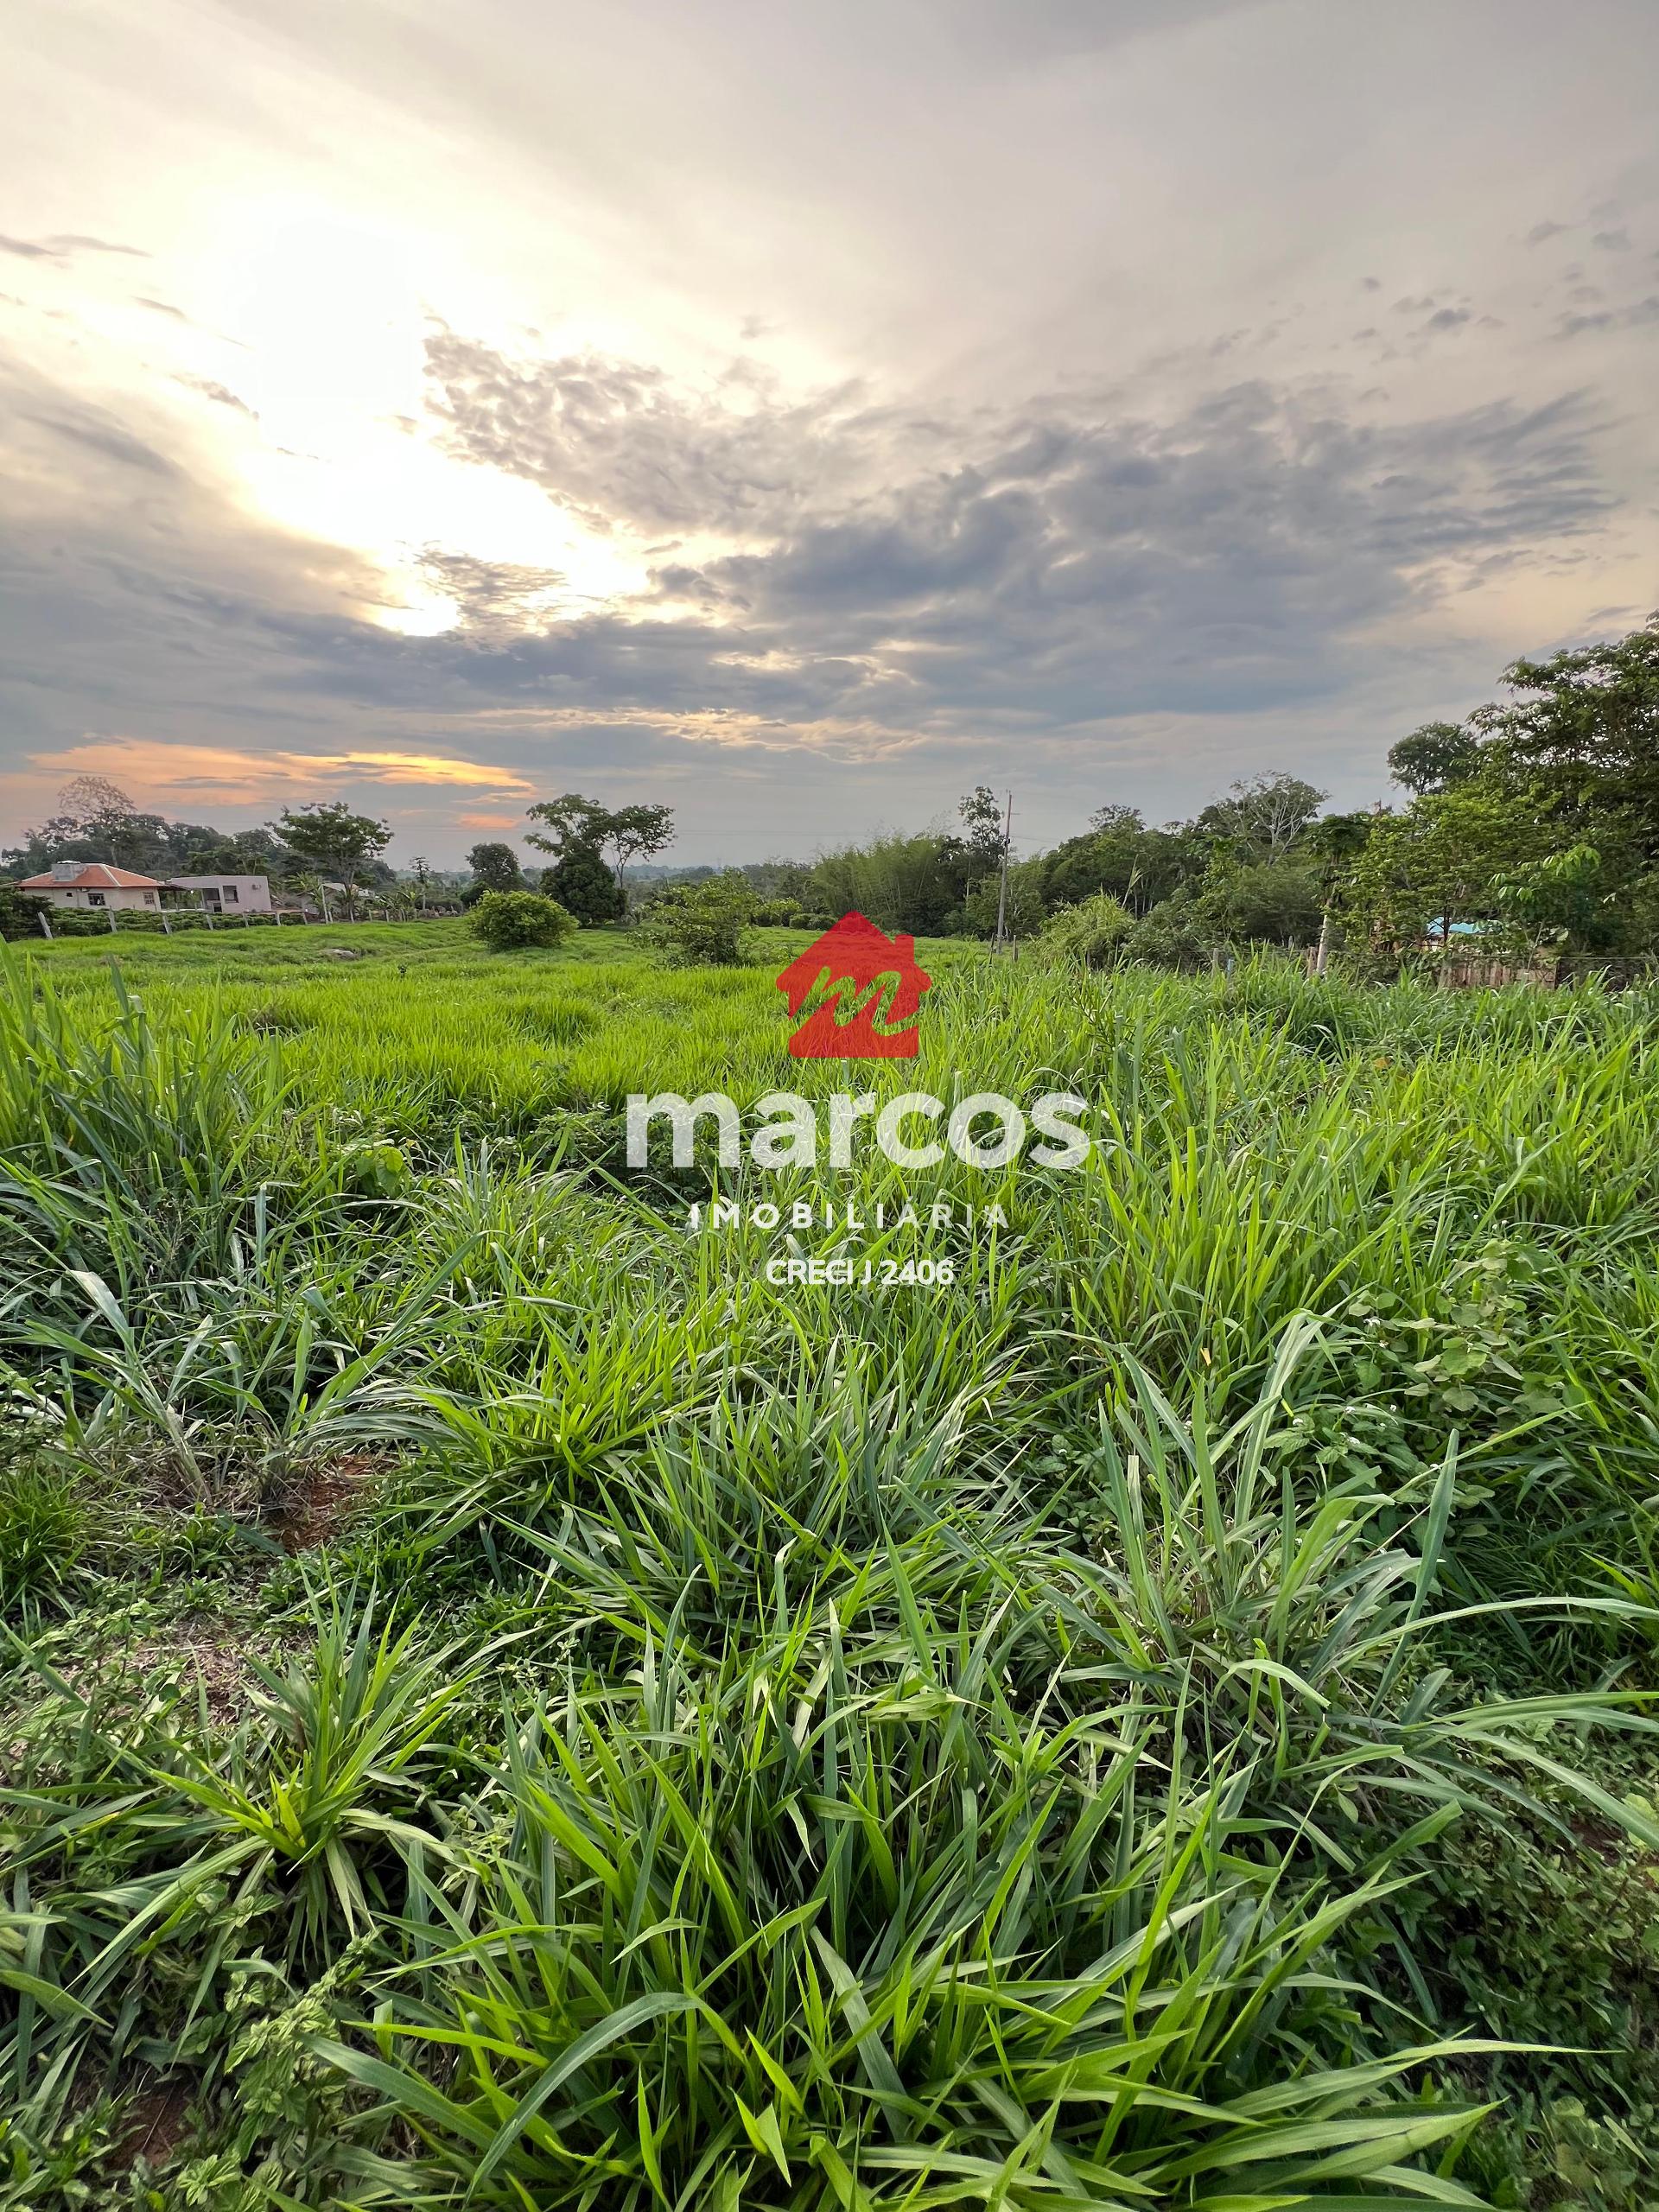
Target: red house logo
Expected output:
[857,993]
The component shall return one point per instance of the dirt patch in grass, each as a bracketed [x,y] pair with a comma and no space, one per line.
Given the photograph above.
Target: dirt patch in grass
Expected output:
[153,2124]
[198,1649]
[200,1654]
[322,1500]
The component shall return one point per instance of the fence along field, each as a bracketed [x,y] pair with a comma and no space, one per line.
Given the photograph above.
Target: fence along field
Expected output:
[507,1707]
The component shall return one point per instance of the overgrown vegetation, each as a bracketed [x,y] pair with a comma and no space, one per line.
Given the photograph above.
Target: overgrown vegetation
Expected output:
[505,1704]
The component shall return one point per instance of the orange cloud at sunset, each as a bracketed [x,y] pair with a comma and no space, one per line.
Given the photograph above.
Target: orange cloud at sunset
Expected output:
[163,772]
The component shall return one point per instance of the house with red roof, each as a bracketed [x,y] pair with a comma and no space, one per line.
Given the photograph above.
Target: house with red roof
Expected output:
[860,991]
[94,886]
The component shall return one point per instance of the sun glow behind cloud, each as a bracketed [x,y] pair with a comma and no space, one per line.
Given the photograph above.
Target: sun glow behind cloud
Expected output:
[319,320]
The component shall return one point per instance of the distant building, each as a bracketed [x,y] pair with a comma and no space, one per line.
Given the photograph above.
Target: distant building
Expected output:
[227,894]
[93,884]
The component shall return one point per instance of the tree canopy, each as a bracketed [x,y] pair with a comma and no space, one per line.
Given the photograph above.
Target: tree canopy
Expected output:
[326,836]
[496,867]
[574,823]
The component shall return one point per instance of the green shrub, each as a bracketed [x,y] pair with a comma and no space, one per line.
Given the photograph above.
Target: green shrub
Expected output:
[20,912]
[701,924]
[1171,936]
[1543,1930]
[1093,933]
[1274,903]
[509,921]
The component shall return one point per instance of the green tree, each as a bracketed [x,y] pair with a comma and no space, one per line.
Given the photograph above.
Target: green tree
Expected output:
[1560,900]
[1582,730]
[1435,757]
[576,823]
[584,886]
[197,850]
[571,820]
[1119,855]
[983,833]
[1333,845]
[632,832]
[329,840]
[902,882]
[1026,909]
[496,867]
[97,821]
[1264,902]
[307,884]
[1260,818]
[1438,862]
[100,812]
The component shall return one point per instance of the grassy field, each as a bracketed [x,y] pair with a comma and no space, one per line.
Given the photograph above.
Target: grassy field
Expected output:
[506,1705]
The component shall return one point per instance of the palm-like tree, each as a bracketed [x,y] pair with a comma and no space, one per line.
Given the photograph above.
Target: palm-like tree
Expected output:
[310,888]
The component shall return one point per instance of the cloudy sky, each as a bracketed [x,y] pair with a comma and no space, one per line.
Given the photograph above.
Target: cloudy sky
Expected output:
[803,413]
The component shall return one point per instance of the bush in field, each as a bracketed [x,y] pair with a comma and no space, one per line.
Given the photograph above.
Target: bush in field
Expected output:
[582,882]
[20,912]
[1093,933]
[1272,903]
[701,924]
[508,921]
[1172,936]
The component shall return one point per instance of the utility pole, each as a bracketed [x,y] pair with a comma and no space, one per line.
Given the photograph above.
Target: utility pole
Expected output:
[998,941]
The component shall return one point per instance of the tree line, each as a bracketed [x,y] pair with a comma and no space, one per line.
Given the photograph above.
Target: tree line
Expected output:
[1531,828]
[1533,823]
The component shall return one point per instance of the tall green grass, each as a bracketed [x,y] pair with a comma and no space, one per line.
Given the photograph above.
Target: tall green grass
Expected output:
[746,1745]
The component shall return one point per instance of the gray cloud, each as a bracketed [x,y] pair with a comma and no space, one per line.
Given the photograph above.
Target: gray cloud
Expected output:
[891,578]
[99,433]
[1063,553]
[65,246]
[1639,314]
[219,394]
[79,242]
[616,440]
[494,600]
